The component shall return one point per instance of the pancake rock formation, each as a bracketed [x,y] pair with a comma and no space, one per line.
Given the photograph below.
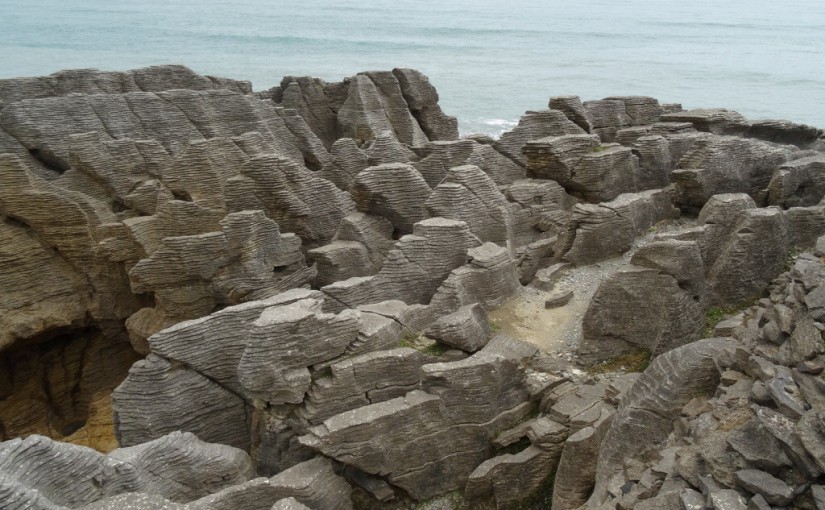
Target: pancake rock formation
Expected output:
[319,296]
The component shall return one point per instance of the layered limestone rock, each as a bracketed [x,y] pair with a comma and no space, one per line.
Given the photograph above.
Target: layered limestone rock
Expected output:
[600,231]
[469,195]
[752,433]
[394,191]
[798,183]
[532,126]
[40,473]
[181,219]
[414,268]
[447,413]
[92,81]
[726,165]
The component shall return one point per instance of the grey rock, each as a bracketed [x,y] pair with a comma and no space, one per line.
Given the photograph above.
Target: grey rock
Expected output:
[277,373]
[468,194]
[784,132]
[655,161]
[511,479]
[422,100]
[362,380]
[159,397]
[798,183]
[726,165]
[751,257]
[312,483]
[135,501]
[602,231]
[810,431]
[692,500]
[577,467]
[439,157]
[289,504]
[375,104]
[727,499]
[782,429]
[539,210]
[818,492]
[806,340]
[532,126]
[639,308]
[775,491]
[177,467]
[713,120]
[490,278]
[758,503]
[467,329]
[559,299]
[395,191]
[414,269]
[660,392]
[577,162]
[573,108]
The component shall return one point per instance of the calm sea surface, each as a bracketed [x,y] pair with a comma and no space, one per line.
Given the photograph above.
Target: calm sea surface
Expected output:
[491,60]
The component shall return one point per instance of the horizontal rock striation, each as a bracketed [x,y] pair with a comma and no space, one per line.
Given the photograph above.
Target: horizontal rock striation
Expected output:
[285,299]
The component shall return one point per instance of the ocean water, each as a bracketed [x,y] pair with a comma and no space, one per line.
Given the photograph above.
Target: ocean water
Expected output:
[490,59]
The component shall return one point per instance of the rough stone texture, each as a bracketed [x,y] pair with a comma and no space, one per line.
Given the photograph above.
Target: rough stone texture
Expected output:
[595,172]
[467,329]
[395,191]
[798,183]
[457,418]
[784,132]
[539,209]
[607,117]
[654,304]
[469,195]
[277,373]
[645,416]
[191,275]
[159,397]
[422,100]
[92,81]
[726,165]
[414,269]
[775,491]
[601,231]
[712,120]
[362,380]
[655,161]
[573,108]
[510,479]
[532,126]
[178,467]
[310,484]
[490,278]
[577,467]
[375,104]
[750,258]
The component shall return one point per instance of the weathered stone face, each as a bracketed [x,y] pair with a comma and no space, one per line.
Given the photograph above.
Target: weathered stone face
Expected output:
[185,220]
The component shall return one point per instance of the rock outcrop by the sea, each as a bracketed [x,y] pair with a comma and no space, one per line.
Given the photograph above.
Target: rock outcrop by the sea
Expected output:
[214,298]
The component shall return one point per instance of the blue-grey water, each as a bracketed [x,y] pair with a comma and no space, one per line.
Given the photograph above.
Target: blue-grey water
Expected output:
[490,59]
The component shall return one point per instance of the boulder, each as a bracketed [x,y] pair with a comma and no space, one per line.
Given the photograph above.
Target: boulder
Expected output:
[467,328]
[798,183]
[532,126]
[469,195]
[395,191]
[726,165]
